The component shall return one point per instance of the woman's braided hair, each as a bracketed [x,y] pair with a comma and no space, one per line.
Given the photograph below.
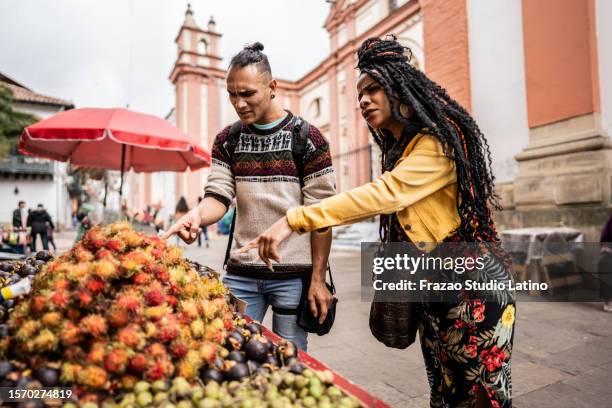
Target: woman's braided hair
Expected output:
[387,62]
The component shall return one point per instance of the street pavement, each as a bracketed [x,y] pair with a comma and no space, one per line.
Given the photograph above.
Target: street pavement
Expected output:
[562,351]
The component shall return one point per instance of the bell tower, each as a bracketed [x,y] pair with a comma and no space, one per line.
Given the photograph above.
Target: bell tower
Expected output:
[198,80]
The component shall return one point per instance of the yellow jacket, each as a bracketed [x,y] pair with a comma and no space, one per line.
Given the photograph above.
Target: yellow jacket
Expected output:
[421,189]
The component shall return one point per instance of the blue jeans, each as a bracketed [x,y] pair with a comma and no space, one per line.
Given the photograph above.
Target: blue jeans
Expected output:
[261,293]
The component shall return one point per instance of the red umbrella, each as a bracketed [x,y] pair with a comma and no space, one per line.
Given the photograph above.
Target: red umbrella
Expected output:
[115,139]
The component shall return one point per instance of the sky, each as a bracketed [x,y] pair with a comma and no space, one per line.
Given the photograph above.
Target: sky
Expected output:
[109,53]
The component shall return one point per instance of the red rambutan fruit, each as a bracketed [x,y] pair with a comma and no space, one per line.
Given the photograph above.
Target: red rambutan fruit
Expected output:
[117,316]
[138,363]
[116,361]
[94,324]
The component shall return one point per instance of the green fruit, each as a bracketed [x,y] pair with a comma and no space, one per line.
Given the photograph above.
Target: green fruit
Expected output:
[288,379]
[209,403]
[309,402]
[247,403]
[334,392]
[167,405]
[347,402]
[160,397]
[316,390]
[300,382]
[109,404]
[211,390]
[226,401]
[325,404]
[127,400]
[144,399]
[89,405]
[303,393]
[69,405]
[271,394]
[160,385]
[182,390]
[141,386]
[197,394]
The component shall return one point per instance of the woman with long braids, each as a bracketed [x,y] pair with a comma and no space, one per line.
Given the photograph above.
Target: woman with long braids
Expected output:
[436,187]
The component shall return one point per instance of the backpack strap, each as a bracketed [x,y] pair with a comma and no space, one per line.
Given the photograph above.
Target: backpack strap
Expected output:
[300,132]
[232,140]
[229,241]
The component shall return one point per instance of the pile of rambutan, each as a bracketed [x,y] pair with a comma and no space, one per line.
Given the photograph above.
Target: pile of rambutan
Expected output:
[120,307]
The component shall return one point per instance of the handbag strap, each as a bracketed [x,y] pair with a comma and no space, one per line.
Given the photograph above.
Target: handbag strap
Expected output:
[331,280]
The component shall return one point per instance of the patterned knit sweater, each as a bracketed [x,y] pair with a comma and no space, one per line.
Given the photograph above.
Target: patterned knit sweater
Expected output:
[263,178]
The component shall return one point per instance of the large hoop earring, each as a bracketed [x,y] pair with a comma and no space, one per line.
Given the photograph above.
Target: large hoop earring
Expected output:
[405,110]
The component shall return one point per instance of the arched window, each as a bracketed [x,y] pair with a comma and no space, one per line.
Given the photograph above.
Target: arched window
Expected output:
[315,108]
[202,47]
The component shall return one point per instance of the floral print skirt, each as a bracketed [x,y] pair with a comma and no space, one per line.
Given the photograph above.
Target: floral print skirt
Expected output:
[467,344]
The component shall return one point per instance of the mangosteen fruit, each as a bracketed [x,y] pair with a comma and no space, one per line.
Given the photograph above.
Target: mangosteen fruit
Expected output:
[253,328]
[6,267]
[212,374]
[237,372]
[4,331]
[5,368]
[237,356]
[218,362]
[49,377]
[23,382]
[257,349]
[28,270]
[44,256]
[253,366]
[272,360]
[235,340]
[286,350]
[295,366]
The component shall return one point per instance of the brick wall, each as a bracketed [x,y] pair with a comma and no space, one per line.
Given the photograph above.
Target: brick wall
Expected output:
[445,34]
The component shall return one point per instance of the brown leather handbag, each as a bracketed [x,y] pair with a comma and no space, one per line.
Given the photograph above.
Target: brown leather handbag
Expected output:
[394,323]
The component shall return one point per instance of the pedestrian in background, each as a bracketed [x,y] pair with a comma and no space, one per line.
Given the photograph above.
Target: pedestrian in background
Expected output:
[50,230]
[20,220]
[37,221]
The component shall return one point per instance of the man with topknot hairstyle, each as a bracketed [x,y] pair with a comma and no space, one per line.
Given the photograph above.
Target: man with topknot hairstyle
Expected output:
[253,163]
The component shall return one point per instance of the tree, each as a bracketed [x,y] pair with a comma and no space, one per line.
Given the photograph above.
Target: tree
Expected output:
[12,122]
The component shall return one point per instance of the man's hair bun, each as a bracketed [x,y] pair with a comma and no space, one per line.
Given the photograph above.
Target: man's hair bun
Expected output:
[256,46]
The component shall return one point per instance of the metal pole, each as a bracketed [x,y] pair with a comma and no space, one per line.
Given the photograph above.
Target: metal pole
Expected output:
[122,169]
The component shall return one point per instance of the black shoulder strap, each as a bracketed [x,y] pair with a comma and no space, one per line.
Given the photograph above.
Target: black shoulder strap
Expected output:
[232,139]
[229,241]
[230,147]
[301,129]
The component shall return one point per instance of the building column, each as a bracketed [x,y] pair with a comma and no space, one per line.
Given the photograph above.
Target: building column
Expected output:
[565,171]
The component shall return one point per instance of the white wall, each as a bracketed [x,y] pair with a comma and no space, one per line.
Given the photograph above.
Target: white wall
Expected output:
[30,191]
[319,89]
[497,78]
[38,110]
[370,14]
[603,22]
